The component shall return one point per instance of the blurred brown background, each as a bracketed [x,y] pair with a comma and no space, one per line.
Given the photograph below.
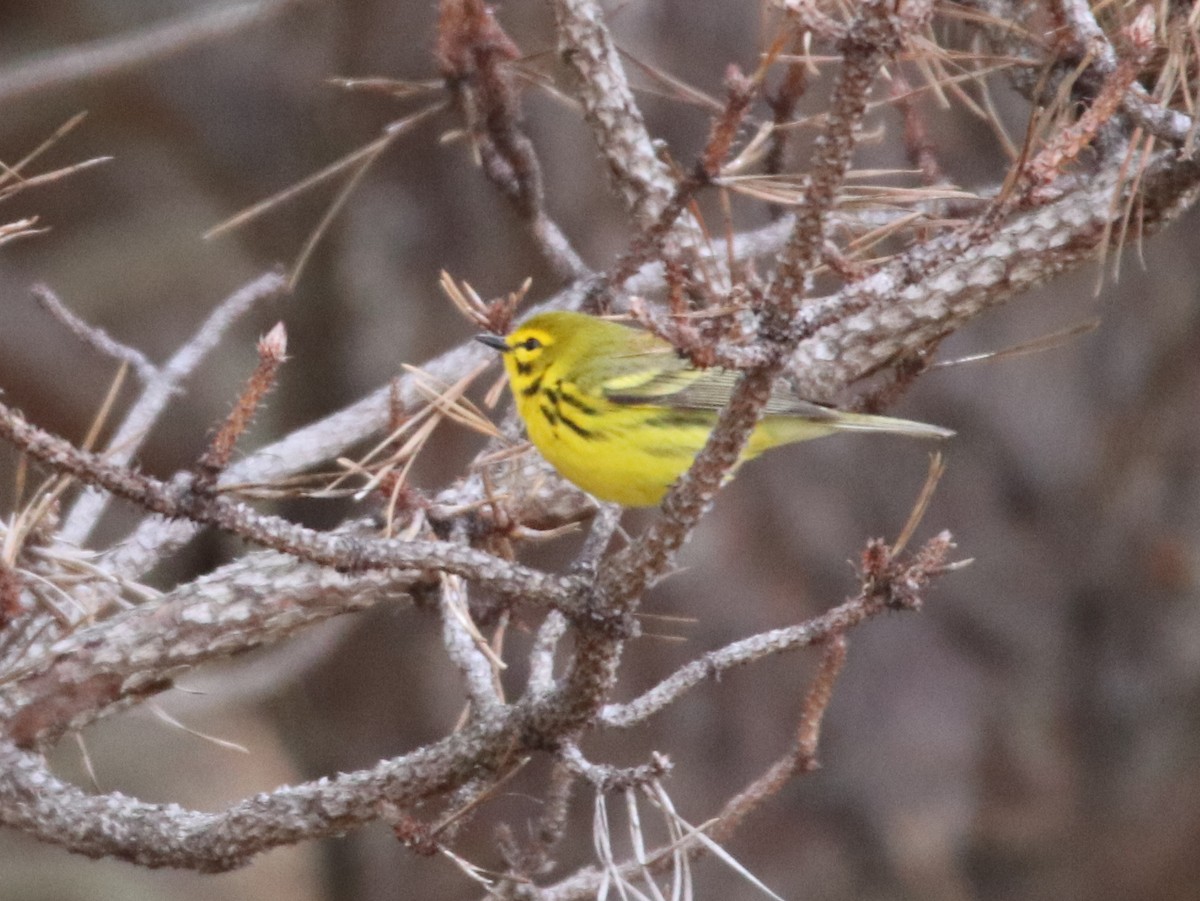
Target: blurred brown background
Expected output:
[1035,733]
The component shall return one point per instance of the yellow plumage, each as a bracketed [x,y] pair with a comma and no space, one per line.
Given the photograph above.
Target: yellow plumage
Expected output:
[622,415]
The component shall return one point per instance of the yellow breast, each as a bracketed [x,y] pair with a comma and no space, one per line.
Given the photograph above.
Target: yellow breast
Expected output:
[626,454]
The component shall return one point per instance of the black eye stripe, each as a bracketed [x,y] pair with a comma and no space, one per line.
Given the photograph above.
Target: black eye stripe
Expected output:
[531,344]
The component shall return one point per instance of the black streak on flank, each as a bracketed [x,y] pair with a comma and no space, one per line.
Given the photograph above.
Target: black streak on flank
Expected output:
[576,401]
[533,387]
[558,394]
[576,427]
[551,416]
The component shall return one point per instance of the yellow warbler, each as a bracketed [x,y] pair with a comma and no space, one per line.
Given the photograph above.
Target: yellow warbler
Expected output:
[622,415]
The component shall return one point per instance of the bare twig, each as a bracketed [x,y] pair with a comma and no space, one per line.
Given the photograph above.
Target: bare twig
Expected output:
[278,534]
[604,778]
[272,350]
[541,658]
[876,34]
[869,603]
[146,411]
[802,757]
[475,56]
[94,337]
[111,56]
[466,647]
[609,106]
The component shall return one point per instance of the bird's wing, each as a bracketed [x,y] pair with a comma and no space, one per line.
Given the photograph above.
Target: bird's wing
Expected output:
[644,376]
[662,377]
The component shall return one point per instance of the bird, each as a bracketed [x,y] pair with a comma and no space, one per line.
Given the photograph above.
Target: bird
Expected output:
[621,414]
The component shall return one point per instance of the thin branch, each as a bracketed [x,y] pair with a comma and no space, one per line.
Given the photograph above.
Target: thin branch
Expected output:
[124,445]
[802,757]
[476,57]
[866,605]
[627,574]
[272,351]
[345,553]
[525,863]
[609,106]
[876,34]
[885,579]
[604,526]
[93,336]
[132,50]
[1090,41]
[605,778]
[541,657]
[465,645]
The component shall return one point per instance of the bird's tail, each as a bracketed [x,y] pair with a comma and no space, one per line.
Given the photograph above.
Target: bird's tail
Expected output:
[866,422]
[776,430]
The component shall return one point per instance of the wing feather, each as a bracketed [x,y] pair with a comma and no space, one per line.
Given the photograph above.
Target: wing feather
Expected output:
[663,378]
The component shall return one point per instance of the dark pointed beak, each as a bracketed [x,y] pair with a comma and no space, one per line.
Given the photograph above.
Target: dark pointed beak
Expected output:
[494,341]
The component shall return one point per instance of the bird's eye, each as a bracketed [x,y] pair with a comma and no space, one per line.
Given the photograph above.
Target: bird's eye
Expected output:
[531,344]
